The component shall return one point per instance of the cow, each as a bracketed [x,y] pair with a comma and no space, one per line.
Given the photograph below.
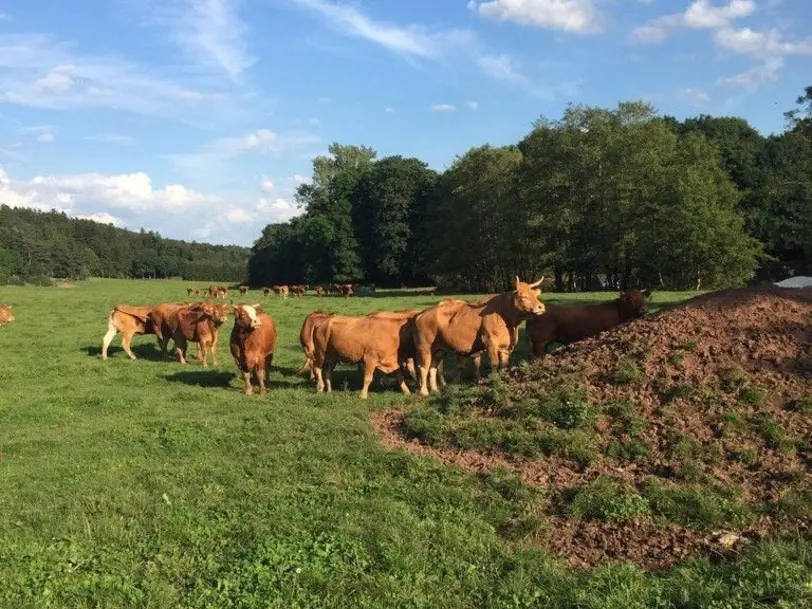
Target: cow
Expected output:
[253,342]
[346,290]
[182,326]
[190,291]
[266,291]
[298,290]
[6,315]
[159,320]
[213,291]
[243,289]
[222,292]
[281,290]
[381,343]
[320,291]
[128,320]
[569,324]
[306,339]
[490,325]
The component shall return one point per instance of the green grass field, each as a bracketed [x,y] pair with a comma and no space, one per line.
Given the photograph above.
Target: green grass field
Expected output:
[147,484]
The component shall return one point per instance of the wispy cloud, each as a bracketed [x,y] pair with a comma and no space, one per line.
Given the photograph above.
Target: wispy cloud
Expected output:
[110,138]
[502,67]
[410,41]
[209,32]
[442,108]
[574,16]
[472,105]
[389,110]
[42,72]
[693,97]
[46,138]
[222,150]
[753,78]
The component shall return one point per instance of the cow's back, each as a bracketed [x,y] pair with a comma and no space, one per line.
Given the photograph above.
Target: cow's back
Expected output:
[566,324]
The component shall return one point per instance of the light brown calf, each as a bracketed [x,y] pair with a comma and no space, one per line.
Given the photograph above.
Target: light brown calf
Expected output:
[253,341]
[6,315]
[129,321]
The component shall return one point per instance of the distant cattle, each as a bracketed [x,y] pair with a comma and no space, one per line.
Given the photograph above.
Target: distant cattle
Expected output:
[381,343]
[281,290]
[253,342]
[266,291]
[6,315]
[568,324]
[298,290]
[128,320]
[320,291]
[243,289]
[346,290]
[190,291]
[490,325]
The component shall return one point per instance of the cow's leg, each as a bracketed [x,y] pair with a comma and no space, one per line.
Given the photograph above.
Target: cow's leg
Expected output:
[108,338]
[246,377]
[477,359]
[435,361]
[369,374]
[319,374]
[328,375]
[261,375]
[402,382]
[424,364]
[213,349]
[126,337]
[201,352]
[180,349]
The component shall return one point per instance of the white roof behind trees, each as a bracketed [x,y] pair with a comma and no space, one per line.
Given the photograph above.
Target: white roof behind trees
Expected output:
[795,282]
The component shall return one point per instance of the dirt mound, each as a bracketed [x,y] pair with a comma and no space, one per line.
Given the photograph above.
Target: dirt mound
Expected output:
[686,431]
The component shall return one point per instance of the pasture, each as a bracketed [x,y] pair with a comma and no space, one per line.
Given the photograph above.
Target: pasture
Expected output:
[149,484]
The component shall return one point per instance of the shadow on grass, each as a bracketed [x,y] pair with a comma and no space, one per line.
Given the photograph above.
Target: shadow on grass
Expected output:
[280,377]
[146,352]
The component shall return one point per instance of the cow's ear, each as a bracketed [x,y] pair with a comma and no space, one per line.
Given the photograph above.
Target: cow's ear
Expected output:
[235,309]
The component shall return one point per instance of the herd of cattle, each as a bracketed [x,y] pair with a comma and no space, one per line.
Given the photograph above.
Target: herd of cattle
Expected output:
[408,342]
[283,291]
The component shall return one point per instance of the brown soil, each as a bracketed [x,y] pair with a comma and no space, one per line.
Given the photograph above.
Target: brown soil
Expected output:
[746,352]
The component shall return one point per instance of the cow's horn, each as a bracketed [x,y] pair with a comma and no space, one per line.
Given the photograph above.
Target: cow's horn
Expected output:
[538,283]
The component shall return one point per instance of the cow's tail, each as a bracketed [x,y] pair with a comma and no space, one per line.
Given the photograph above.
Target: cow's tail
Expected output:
[304,366]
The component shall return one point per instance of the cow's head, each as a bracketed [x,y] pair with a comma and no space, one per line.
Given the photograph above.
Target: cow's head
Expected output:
[247,316]
[205,307]
[632,303]
[526,297]
[219,314]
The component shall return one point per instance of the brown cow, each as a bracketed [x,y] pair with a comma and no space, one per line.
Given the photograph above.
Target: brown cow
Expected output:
[243,289]
[6,315]
[213,291]
[159,317]
[346,290]
[381,343]
[491,326]
[568,324]
[320,291]
[253,341]
[129,321]
[183,323]
[190,291]
[266,291]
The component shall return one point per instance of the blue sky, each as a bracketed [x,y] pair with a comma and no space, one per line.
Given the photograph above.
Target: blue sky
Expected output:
[198,118]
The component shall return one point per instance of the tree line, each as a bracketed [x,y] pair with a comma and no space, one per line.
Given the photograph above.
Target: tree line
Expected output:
[36,246]
[599,199]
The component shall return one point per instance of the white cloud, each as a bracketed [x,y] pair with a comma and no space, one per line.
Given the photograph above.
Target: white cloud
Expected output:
[389,110]
[753,78]
[299,179]
[263,140]
[314,122]
[442,108]
[42,72]
[693,97]
[210,32]
[46,137]
[575,16]
[132,201]
[761,44]
[502,67]
[102,218]
[472,105]
[700,14]
[412,40]
[266,184]
[110,138]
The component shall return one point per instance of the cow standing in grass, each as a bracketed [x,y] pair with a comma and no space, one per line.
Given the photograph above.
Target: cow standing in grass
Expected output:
[306,339]
[490,325]
[381,342]
[6,315]
[129,321]
[253,342]
[571,323]
[159,316]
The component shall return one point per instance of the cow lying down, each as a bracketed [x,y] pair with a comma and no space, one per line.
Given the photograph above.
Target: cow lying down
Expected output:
[569,324]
